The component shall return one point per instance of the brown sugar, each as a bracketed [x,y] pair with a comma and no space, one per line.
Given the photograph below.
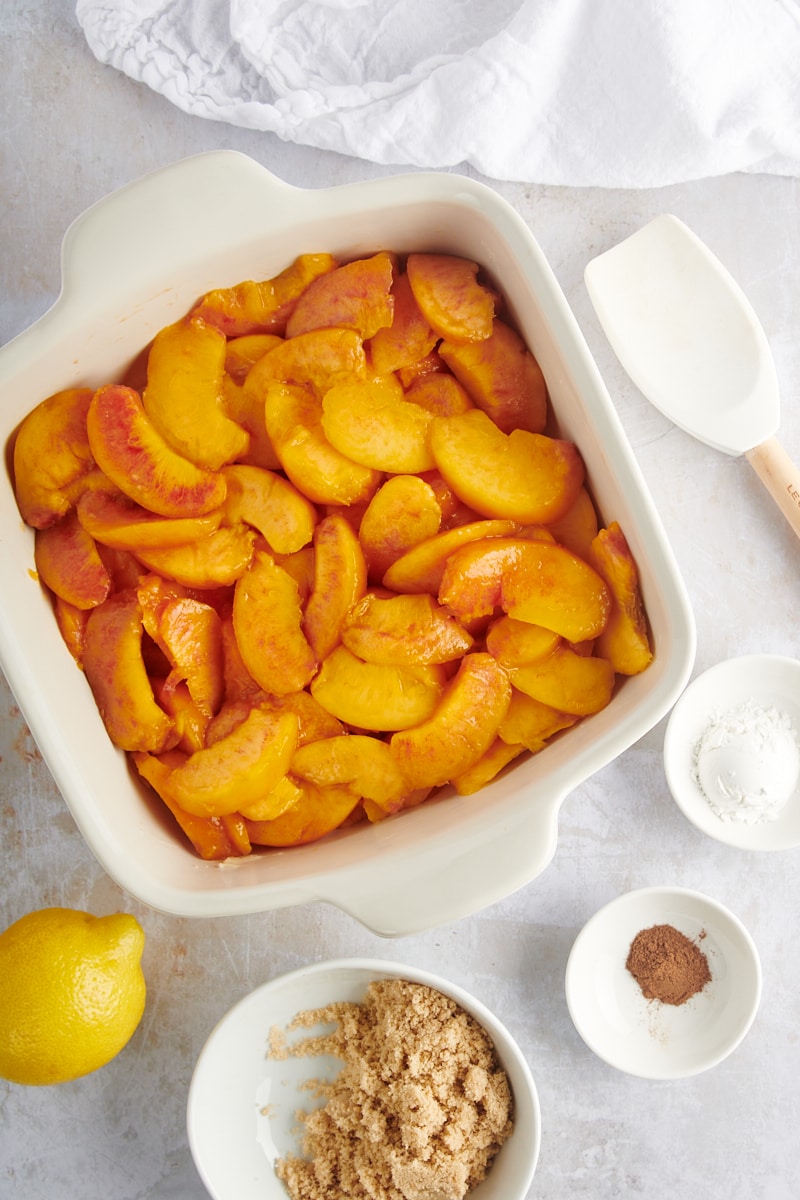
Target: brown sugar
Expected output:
[417,1112]
[667,965]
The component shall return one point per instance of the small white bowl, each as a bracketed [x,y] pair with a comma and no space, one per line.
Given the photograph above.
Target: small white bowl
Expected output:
[769,680]
[646,1037]
[242,1106]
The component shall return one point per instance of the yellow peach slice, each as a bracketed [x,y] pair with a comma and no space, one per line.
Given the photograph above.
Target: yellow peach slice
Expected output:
[318,812]
[577,528]
[317,469]
[134,456]
[191,724]
[300,565]
[365,763]
[521,476]
[408,339]
[472,580]
[190,634]
[625,641]
[117,521]
[213,838]
[569,682]
[530,722]
[502,377]
[68,563]
[51,451]
[552,587]
[283,796]
[488,766]
[183,395]
[374,697]
[71,622]
[317,360]
[514,643]
[404,630]
[372,424]
[242,353]
[421,568]
[271,504]
[403,512]
[314,722]
[263,306]
[462,728]
[439,393]
[267,621]
[238,769]
[115,670]
[246,408]
[450,298]
[354,296]
[214,561]
[340,579]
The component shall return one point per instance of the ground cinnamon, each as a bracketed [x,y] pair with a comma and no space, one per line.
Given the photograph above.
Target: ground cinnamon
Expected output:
[667,965]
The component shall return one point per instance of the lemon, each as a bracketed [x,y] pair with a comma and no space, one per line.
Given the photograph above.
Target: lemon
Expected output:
[72,993]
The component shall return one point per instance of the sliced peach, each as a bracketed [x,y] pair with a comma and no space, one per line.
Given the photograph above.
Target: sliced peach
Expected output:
[421,568]
[521,476]
[408,339]
[238,769]
[552,587]
[450,298]
[472,580]
[318,812]
[439,393]
[135,457]
[263,306]
[51,451]
[454,511]
[340,579]
[355,296]
[530,722]
[71,623]
[283,796]
[462,728]
[314,722]
[242,353]
[317,469]
[115,670]
[488,766]
[183,395]
[190,722]
[267,620]
[502,377]
[578,527]
[239,683]
[365,763]
[373,697]
[68,563]
[214,561]
[317,360]
[190,634]
[372,424]
[211,837]
[119,522]
[429,365]
[125,570]
[514,643]
[569,682]
[403,512]
[404,630]
[300,565]
[271,504]
[625,641]
[246,407]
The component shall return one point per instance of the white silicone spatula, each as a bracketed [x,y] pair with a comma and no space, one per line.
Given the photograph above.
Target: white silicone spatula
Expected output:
[688,337]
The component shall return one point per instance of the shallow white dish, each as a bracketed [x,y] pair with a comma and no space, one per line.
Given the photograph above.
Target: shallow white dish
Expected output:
[771,681]
[241,1111]
[645,1037]
[139,260]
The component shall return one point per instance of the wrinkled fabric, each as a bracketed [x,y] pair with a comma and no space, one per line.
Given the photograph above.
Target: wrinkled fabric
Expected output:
[623,93]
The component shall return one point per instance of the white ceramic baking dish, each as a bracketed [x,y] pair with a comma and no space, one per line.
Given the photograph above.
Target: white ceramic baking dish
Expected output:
[136,261]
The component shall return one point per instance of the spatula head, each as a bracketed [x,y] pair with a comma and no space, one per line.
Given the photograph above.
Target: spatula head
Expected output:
[687,335]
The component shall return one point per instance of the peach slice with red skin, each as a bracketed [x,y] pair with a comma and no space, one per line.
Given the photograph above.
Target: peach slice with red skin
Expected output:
[404,630]
[135,457]
[319,811]
[520,476]
[69,564]
[267,621]
[238,769]
[461,729]
[184,393]
[355,296]
[213,838]
[340,579]
[190,634]
[403,512]
[119,522]
[217,560]
[372,424]
[625,641]
[502,377]
[421,568]
[408,339]
[71,623]
[51,452]
[364,763]
[376,697]
[569,682]
[263,306]
[450,298]
[271,504]
[115,670]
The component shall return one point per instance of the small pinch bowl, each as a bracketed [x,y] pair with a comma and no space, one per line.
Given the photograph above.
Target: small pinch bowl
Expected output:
[241,1109]
[138,260]
[645,1037]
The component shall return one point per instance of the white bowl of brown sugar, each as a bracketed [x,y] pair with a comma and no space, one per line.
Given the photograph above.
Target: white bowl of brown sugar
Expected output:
[360,1077]
[663,983]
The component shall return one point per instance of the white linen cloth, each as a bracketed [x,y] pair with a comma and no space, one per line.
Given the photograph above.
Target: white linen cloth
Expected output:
[609,93]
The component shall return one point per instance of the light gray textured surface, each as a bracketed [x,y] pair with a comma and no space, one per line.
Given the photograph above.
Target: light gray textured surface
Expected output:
[73,131]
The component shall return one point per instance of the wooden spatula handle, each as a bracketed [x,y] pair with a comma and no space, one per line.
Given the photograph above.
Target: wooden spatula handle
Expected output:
[780,477]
